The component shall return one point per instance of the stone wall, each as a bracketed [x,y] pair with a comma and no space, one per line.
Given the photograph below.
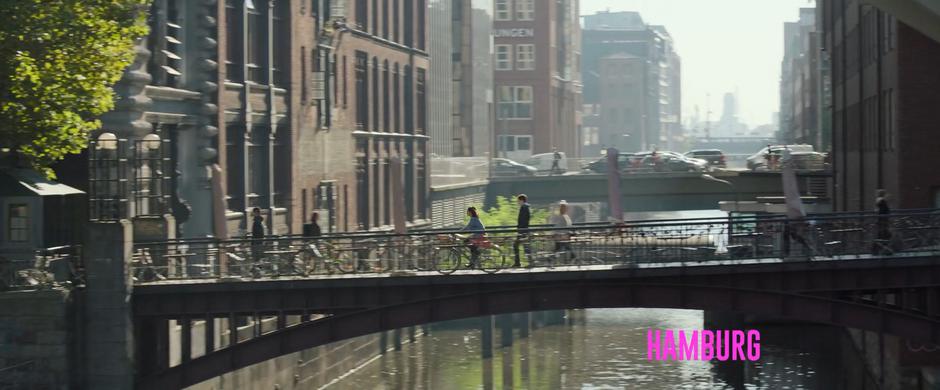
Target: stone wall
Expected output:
[35,339]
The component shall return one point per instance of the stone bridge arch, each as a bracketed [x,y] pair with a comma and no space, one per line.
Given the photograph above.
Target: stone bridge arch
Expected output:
[774,304]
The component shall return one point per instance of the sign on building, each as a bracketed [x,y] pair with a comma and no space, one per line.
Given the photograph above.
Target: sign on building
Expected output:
[513,32]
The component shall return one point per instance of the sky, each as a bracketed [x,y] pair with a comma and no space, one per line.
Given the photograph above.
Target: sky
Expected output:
[725,46]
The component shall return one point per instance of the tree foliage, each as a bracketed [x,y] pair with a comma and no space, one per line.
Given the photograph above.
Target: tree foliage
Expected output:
[506,211]
[58,61]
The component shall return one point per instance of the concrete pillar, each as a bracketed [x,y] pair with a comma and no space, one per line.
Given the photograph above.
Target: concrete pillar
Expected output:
[108,343]
[210,334]
[486,336]
[524,322]
[504,321]
[396,338]
[186,339]
[383,342]
[426,329]
[411,334]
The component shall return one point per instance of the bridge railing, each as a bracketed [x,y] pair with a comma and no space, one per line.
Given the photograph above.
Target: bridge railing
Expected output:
[638,243]
[49,267]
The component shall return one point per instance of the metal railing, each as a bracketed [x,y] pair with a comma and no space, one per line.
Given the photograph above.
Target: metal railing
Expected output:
[640,243]
[49,267]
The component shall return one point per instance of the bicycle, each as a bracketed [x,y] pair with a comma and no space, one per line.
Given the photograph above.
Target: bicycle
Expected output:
[331,259]
[451,254]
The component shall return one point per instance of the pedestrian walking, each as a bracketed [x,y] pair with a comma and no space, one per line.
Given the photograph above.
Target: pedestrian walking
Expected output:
[556,161]
[563,234]
[312,229]
[882,243]
[257,236]
[477,234]
[522,230]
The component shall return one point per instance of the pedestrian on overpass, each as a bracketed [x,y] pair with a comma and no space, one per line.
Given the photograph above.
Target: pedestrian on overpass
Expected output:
[556,161]
[312,229]
[563,234]
[882,244]
[257,237]
[522,230]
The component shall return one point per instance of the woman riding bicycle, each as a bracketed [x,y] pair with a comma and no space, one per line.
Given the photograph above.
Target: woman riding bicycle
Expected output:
[478,231]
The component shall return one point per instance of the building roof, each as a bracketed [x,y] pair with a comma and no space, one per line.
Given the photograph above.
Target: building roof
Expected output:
[27,182]
[606,20]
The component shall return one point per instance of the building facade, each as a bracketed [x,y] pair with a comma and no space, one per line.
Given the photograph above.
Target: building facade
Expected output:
[461,77]
[884,101]
[301,105]
[537,77]
[377,94]
[654,118]
[802,78]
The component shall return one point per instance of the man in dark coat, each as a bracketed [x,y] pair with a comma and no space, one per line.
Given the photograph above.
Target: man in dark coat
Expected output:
[522,229]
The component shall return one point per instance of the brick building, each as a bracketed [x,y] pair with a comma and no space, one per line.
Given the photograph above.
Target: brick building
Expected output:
[884,102]
[300,103]
[537,77]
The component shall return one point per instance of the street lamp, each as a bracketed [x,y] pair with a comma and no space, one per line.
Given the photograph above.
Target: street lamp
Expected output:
[107,141]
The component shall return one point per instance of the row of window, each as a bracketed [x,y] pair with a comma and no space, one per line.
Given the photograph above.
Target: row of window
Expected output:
[250,22]
[524,10]
[390,111]
[383,20]
[525,57]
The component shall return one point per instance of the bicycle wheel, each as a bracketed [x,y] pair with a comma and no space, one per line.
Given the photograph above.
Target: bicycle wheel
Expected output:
[492,260]
[448,260]
[304,262]
[345,262]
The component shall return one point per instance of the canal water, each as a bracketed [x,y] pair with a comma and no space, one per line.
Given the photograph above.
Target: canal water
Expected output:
[602,349]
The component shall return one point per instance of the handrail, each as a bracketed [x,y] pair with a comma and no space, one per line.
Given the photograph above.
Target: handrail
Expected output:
[854,235]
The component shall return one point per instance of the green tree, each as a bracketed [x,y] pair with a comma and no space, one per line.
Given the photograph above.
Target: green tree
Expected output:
[505,212]
[58,61]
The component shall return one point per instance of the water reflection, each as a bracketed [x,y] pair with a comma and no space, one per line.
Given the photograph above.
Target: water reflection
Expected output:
[604,350]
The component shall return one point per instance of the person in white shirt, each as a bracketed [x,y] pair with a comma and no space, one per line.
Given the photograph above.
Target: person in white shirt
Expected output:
[563,234]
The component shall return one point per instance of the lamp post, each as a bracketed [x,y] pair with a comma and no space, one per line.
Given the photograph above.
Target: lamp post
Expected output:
[737,199]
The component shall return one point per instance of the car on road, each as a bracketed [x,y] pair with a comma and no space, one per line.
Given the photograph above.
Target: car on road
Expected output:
[674,162]
[714,157]
[505,167]
[804,156]
[600,165]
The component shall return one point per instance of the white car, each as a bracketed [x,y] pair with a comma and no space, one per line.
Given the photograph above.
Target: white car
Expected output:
[758,161]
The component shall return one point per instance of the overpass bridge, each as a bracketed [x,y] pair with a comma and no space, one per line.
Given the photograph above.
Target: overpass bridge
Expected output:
[839,269]
[664,191]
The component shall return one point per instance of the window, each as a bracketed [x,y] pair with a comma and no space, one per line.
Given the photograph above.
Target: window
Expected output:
[515,102]
[525,57]
[18,220]
[512,143]
[525,9]
[362,92]
[233,38]
[256,45]
[421,102]
[422,23]
[524,143]
[258,167]
[386,98]
[234,166]
[282,38]
[361,14]
[504,57]
[165,42]
[503,10]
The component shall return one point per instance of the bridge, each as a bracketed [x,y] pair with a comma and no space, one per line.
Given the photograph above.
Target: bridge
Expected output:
[666,191]
[865,271]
